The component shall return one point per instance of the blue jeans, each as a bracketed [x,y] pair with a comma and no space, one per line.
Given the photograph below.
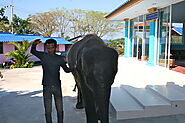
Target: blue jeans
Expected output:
[48,91]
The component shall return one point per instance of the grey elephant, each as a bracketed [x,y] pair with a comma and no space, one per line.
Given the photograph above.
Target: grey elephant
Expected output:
[96,69]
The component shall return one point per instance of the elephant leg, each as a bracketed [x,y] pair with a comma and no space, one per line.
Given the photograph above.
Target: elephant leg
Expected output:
[79,104]
[90,109]
[88,98]
[102,99]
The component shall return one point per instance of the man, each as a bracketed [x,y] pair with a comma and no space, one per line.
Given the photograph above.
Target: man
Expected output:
[51,77]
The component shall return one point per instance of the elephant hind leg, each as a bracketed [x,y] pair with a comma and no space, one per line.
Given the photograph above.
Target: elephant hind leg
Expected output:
[102,100]
[89,100]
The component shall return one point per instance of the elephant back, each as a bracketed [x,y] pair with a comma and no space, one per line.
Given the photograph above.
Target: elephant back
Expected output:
[88,41]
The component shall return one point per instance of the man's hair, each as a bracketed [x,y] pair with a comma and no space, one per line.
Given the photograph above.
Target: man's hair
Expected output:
[49,41]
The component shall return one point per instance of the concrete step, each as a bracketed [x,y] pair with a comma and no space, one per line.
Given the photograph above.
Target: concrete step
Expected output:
[153,104]
[167,92]
[152,101]
[125,106]
[173,95]
[176,87]
[146,98]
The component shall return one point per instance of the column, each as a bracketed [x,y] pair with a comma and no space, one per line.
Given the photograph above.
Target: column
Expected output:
[128,39]
[152,41]
[152,44]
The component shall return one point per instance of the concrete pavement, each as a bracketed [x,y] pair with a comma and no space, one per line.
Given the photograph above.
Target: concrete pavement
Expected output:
[21,93]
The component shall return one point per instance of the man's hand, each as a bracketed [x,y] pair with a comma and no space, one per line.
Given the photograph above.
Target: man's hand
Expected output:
[37,41]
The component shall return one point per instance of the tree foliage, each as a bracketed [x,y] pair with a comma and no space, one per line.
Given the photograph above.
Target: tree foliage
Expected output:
[4,22]
[20,56]
[21,26]
[3,17]
[97,24]
[117,44]
[44,23]
[62,17]
[73,22]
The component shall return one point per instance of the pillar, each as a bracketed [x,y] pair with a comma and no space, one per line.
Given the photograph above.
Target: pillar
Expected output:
[152,42]
[128,38]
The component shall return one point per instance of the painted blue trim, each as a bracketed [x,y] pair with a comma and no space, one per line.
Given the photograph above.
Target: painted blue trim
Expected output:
[126,39]
[131,33]
[152,44]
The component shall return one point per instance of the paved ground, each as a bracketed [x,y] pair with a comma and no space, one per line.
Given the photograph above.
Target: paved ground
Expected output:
[21,93]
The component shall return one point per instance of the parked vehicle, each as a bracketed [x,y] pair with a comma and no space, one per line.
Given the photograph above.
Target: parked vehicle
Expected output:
[62,53]
[8,63]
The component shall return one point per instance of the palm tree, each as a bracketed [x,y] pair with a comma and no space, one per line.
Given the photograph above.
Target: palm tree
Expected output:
[20,56]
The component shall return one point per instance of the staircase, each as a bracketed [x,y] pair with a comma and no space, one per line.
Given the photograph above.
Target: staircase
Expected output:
[152,101]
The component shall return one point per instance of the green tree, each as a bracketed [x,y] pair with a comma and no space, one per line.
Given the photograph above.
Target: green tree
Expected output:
[73,22]
[77,22]
[4,27]
[62,21]
[3,17]
[44,23]
[84,22]
[4,22]
[22,26]
[22,58]
[97,23]
[117,44]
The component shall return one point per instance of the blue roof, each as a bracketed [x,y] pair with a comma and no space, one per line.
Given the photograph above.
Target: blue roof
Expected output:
[125,1]
[106,42]
[179,30]
[5,33]
[8,37]
[29,37]
[58,39]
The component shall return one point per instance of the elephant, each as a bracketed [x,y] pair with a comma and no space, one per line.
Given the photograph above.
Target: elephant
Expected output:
[96,68]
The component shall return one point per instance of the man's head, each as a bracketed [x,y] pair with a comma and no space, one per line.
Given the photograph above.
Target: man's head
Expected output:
[51,45]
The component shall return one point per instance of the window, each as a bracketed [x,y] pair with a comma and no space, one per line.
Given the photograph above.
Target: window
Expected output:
[177,33]
[1,47]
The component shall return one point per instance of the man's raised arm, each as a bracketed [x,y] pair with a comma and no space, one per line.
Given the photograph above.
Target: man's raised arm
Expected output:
[33,48]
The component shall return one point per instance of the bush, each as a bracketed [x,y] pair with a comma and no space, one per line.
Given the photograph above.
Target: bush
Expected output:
[26,65]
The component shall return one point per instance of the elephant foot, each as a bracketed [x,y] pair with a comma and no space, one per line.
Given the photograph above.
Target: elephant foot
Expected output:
[79,105]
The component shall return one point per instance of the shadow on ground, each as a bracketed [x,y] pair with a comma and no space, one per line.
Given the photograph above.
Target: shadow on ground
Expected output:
[26,108]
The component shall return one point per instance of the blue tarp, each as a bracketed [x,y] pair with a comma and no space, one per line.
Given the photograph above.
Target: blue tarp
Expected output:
[179,30]
[107,42]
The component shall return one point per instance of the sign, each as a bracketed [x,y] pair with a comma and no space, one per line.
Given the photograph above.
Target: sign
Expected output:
[152,16]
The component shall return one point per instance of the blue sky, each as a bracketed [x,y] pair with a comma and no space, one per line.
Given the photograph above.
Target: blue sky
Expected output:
[23,8]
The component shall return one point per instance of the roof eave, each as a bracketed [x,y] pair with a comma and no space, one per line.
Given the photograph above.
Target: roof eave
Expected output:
[126,5]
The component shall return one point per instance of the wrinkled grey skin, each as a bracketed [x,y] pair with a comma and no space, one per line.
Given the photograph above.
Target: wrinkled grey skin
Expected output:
[96,70]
